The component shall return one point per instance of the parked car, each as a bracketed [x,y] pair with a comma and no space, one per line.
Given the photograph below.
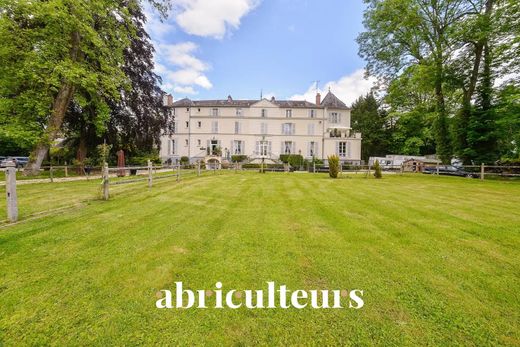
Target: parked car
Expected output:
[449,170]
[18,161]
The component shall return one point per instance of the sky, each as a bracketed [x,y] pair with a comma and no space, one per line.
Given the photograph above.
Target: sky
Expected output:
[209,49]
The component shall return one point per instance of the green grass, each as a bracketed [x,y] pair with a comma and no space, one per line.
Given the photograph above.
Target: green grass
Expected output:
[437,257]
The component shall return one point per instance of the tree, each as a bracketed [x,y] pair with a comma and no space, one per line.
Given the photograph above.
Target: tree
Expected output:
[137,118]
[367,119]
[402,33]
[50,49]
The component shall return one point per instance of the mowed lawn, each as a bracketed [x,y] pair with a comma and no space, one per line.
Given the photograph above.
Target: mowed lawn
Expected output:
[438,259]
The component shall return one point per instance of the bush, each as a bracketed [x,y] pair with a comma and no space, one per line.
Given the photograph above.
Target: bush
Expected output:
[238,158]
[295,160]
[333,165]
[185,160]
[377,170]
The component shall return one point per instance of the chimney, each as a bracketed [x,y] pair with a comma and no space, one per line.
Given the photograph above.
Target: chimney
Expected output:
[318,99]
[272,99]
[229,98]
[168,100]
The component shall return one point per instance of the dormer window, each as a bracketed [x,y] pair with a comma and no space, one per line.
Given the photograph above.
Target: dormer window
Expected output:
[312,113]
[214,112]
[239,112]
[264,113]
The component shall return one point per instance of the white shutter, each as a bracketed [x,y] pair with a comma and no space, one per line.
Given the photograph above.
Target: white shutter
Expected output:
[257,146]
[348,149]
[282,150]
[269,150]
[337,148]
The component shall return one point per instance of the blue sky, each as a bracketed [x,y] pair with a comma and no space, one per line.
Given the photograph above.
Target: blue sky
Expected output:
[207,49]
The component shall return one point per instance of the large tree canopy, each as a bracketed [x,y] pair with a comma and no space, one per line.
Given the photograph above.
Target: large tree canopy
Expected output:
[52,49]
[457,48]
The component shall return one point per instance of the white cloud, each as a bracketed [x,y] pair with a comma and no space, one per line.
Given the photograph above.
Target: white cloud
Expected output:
[184,70]
[182,55]
[212,18]
[348,88]
[189,77]
[185,90]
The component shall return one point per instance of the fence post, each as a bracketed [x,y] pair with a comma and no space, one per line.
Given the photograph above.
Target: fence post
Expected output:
[150,172]
[437,168]
[178,172]
[51,173]
[402,169]
[106,194]
[10,189]
[66,170]
[482,166]
[368,172]
[198,167]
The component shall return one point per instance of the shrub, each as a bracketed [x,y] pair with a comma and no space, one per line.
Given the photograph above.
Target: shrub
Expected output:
[185,160]
[377,170]
[295,160]
[333,165]
[238,158]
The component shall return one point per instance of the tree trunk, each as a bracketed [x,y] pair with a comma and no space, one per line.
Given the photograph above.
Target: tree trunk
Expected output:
[443,143]
[59,107]
[81,154]
[462,123]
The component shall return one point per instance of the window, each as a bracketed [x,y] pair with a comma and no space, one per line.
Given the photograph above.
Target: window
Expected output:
[199,143]
[313,148]
[239,112]
[342,149]
[263,148]
[310,129]
[238,147]
[174,127]
[263,128]
[198,110]
[186,143]
[171,147]
[287,147]
[334,118]
[214,127]
[199,124]
[264,113]
[312,113]
[173,111]
[288,113]
[288,128]
[187,124]
[238,127]
[187,109]
[214,112]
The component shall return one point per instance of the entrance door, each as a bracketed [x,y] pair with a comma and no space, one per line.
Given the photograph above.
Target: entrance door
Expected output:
[213,146]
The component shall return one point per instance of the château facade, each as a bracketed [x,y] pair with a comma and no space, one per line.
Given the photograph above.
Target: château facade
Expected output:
[260,129]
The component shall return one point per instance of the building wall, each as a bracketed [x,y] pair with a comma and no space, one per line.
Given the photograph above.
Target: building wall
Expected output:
[197,126]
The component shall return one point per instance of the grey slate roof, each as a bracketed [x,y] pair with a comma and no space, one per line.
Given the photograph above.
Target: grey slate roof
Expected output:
[330,100]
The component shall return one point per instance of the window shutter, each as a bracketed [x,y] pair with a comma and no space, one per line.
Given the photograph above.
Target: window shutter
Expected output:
[269,150]
[348,150]
[337,148]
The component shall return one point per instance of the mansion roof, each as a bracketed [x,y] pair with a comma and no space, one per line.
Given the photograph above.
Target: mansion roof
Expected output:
[330,101]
